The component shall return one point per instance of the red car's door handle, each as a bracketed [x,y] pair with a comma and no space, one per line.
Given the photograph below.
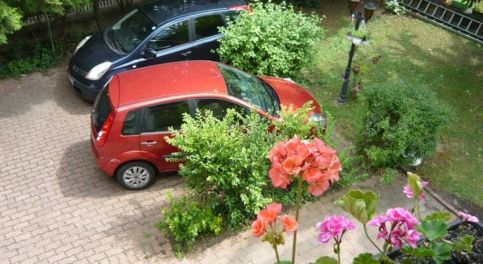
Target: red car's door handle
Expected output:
[149,143]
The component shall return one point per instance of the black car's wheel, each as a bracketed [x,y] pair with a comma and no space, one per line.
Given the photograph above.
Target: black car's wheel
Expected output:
[135,175]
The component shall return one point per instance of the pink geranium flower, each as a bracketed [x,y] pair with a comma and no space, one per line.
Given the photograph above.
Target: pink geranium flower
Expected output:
[468,217]
[397,226]
[333,226]
[409,192]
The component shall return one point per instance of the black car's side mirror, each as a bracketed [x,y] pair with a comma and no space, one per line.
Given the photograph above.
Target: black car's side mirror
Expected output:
[149,53]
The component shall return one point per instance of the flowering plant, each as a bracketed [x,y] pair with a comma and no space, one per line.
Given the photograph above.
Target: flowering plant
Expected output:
[334,227]
[266,225]
[297,160]
[317,164]
[396,227]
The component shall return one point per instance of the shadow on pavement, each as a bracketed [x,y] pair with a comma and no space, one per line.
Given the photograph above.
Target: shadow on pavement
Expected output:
[18,96]
[67,96]
[78,176]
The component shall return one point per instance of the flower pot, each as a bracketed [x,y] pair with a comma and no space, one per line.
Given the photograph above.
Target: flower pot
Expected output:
[456,228]
[414,160]
[356,69]
[356,41]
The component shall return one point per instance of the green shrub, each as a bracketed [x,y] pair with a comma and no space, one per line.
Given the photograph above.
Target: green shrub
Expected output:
[41,59]
[295,122]
[401,123]
[186,220]
[394,7]
[272,40]
[300,3]
[225,162]
[388,176]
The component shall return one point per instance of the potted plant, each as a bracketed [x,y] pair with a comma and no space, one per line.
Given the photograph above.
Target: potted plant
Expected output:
[358,37]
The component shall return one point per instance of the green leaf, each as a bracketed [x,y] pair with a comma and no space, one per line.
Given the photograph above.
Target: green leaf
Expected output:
[464,243]
[442,252]
[414,182]
[419,252]
[365,258]
[361,205]
[326,260]
[433,229]
[285,262]
[439,216]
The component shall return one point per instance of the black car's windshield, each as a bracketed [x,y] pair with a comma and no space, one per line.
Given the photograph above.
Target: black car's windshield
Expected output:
[249,88]
[129,31]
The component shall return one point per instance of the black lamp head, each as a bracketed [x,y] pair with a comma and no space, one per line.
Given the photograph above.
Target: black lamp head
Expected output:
[369,9]
[353,5]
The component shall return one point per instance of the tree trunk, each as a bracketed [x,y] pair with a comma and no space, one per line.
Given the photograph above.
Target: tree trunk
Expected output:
[124,5]
[95,8]
[50,33]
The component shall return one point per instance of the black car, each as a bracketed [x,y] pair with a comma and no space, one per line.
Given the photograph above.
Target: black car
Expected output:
[163,31]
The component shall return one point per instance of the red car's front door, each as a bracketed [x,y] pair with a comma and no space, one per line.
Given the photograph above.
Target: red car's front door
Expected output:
[156,123]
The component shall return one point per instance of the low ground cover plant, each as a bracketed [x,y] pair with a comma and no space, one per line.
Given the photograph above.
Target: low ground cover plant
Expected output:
[272,39]
[41,58]
[186,220]
[402,123]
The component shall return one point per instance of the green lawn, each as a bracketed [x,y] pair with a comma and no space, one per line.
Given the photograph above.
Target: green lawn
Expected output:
[421,55]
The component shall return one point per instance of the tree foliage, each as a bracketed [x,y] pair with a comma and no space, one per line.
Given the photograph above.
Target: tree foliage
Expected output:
[10,21]
[12,12]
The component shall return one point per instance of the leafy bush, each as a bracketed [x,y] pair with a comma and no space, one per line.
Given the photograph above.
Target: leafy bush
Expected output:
[225,162]
[394,7]
[401,123]
[41,59]
[388,176]
[301,3]
[295,122]
[186,220]
[271,40]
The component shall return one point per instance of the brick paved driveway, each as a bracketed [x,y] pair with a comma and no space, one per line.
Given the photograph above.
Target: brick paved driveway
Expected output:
[56,207]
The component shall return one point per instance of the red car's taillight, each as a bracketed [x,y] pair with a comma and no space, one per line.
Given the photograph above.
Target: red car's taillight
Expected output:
[240,8]
[102,134]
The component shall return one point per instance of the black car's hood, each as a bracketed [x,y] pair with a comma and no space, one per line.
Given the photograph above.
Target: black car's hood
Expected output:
[95,51]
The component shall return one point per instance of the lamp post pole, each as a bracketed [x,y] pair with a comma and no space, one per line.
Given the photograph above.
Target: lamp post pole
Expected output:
[359,16]
[345,85]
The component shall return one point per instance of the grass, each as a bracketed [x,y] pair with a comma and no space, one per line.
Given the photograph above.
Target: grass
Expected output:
[421,55]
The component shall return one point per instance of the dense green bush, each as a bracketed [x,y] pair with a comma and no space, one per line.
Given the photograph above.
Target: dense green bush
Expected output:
[394,7]
[40,59]
[273,39]
[225,162]
[401,123]
[186,220]
[299,3]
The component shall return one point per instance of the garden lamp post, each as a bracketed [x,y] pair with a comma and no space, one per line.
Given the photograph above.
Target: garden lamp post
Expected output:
[360,12]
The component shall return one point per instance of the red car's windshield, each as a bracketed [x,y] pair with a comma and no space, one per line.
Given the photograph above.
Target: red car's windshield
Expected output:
[250,88]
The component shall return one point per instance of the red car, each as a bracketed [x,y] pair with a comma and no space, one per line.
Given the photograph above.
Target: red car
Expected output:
[131,116]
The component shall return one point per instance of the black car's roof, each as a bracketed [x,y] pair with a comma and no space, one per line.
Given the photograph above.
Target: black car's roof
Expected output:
[163,10]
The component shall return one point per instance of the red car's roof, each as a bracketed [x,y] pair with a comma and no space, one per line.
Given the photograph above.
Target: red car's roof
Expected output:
[173,79]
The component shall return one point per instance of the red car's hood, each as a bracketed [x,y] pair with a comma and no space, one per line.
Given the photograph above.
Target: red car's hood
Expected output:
[291,93]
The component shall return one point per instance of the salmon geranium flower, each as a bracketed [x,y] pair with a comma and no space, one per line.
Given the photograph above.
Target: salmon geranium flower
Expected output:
[270,213]
[316,162]
[258,228]
[289,224]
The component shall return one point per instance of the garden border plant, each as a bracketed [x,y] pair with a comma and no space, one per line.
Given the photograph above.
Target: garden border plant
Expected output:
[402,123]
